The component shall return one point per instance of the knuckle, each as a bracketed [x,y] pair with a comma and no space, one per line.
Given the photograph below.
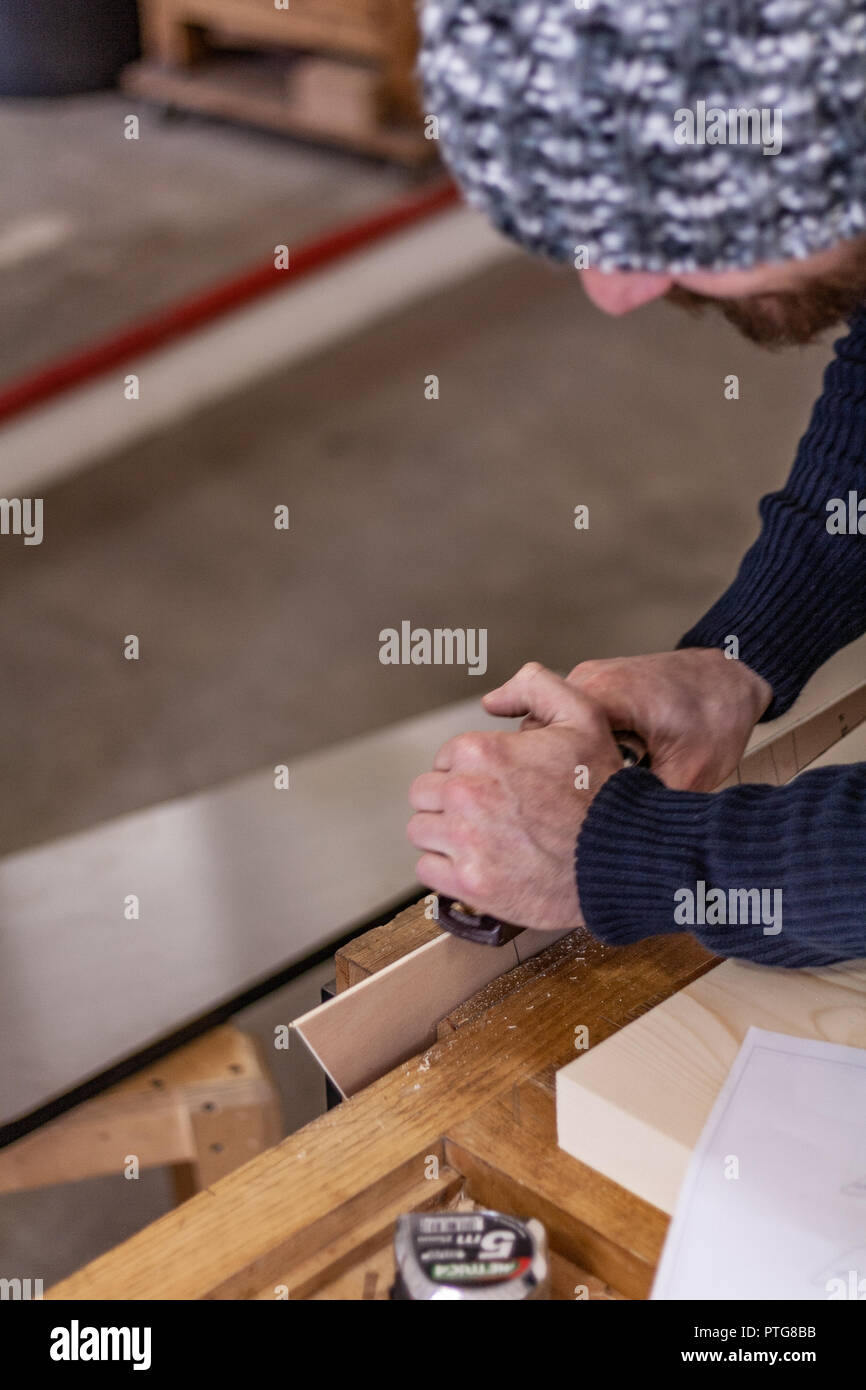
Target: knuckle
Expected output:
[470,749]
[463,834]
[595,719]
[473,877]
[459,794]
[589,711]
[589,676]
[424,869]
[584,670]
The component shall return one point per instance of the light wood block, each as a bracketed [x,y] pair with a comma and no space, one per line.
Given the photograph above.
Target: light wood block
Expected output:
[634,1106]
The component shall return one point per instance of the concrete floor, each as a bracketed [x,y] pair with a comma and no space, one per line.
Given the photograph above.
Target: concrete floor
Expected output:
[258,645]
[97,230]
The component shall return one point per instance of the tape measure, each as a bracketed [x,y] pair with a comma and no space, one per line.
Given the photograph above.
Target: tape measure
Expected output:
[469,1255]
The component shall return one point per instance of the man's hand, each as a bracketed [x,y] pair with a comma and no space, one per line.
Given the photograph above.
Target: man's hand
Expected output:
[694,709]
[498,818]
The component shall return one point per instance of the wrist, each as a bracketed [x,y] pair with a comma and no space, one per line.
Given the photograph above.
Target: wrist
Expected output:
[750,691]
[757,692]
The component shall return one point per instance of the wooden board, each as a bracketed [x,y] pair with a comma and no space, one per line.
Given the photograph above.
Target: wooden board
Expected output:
[370,1028]
[633,1108]
[778,758]
[365,955]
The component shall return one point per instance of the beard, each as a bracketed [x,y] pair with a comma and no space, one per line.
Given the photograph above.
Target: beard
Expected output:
[789,318]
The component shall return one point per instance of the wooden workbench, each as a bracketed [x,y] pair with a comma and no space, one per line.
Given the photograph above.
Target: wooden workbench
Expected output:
[313,1217]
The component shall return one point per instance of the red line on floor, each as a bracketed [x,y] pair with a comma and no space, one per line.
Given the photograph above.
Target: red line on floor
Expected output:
[176,320]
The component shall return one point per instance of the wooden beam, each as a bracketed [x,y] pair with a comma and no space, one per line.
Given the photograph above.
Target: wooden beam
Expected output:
[507,1153]
[384,945]
[98,1138]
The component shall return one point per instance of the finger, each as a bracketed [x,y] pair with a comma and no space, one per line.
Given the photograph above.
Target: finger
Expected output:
[683,772]
[530,722]
[544,696]
[425,793]
[610,694]
[437,872]
[444,760]
[467,750]
[430,831]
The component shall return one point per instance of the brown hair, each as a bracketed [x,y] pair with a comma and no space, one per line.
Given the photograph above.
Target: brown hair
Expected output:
[790,317]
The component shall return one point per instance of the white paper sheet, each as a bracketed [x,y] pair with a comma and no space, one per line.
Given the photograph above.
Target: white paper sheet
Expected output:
[774,1201]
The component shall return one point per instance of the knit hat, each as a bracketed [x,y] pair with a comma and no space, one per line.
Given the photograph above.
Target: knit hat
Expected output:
[594,127]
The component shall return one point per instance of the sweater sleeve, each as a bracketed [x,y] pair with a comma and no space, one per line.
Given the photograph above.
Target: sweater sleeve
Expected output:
[775,875]
[800,593]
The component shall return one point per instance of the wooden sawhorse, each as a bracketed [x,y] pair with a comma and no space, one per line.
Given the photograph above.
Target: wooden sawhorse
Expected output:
[202,1111]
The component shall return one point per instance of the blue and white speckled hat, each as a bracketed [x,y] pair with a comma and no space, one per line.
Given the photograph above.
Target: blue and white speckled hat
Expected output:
[560,124]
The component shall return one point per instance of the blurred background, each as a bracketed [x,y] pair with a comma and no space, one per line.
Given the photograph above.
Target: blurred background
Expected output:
[231,267]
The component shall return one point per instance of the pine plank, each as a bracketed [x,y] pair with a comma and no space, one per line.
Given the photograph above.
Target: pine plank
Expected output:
[634,1107]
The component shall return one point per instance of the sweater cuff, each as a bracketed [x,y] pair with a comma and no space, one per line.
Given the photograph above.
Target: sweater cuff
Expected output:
[639,843]
[715,629]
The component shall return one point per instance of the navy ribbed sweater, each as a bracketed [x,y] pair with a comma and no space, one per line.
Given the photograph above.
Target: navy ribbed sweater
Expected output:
[653,861]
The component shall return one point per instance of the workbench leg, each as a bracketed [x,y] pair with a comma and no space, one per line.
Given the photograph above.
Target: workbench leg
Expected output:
[228,1128]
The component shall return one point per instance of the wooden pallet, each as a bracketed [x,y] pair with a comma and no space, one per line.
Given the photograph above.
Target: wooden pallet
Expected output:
[338,71]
